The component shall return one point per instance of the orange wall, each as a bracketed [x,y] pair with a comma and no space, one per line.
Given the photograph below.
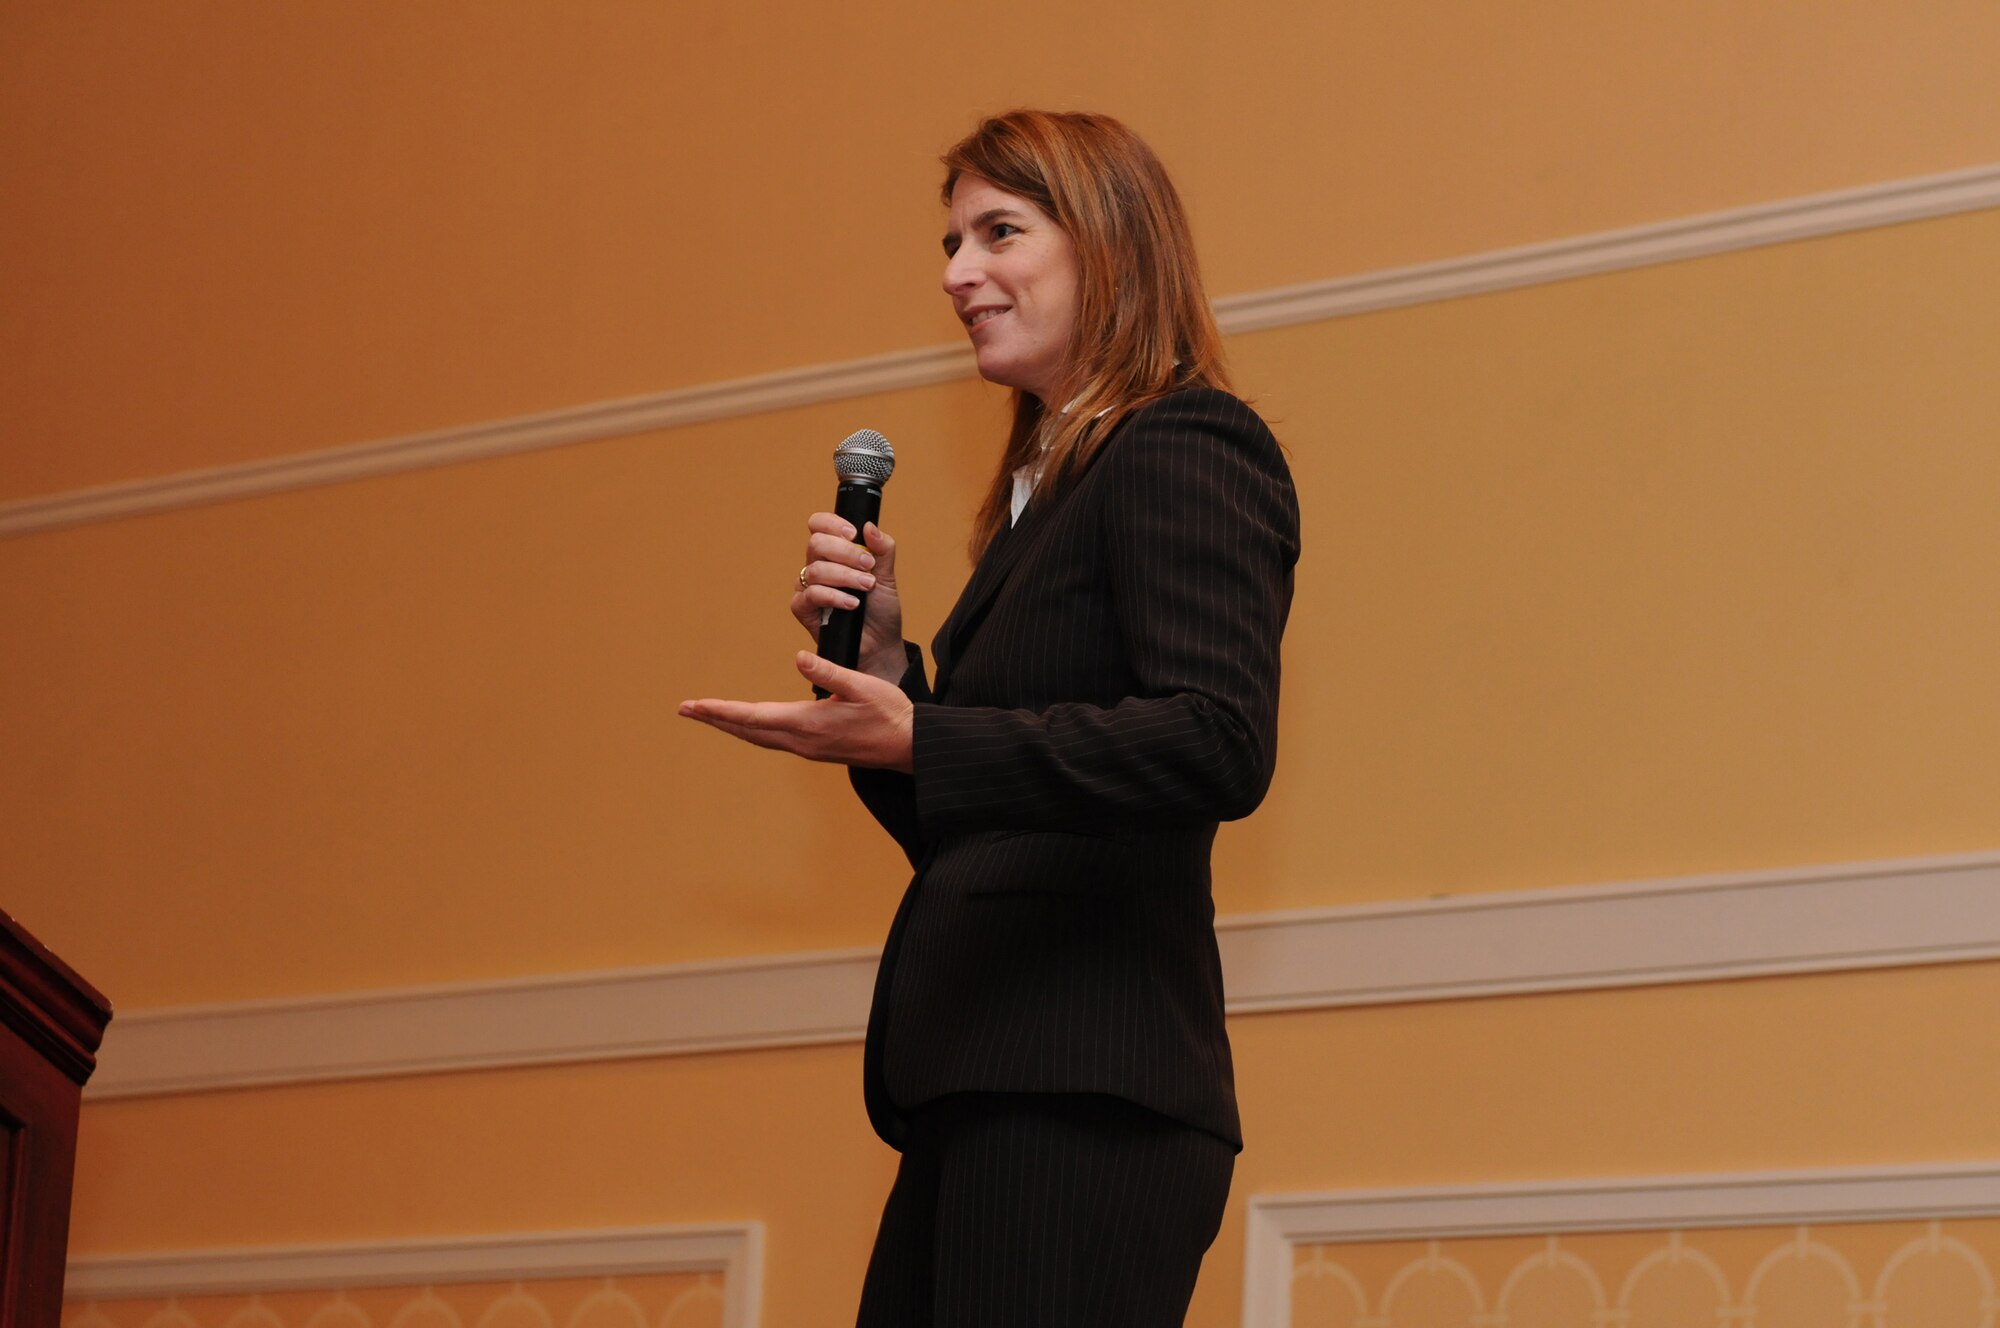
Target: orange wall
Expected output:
[1713,1077]
[1656,573]
[1661,572]
[238,229]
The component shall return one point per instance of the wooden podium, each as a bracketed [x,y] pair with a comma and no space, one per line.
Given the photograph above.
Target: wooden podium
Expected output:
[51,1022]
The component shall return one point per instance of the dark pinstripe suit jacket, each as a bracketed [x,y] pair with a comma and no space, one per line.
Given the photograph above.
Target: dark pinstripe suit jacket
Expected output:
[1106,692]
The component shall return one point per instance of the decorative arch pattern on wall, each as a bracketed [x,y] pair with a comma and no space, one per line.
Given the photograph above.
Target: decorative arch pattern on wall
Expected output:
[1872,1248]
[683,1300]
[1806,1278]
[653,1277]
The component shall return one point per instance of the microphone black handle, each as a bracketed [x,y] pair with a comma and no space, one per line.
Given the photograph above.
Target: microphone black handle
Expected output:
[840,634]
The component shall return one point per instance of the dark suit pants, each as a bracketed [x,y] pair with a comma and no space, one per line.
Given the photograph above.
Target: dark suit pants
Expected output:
[1013,1210]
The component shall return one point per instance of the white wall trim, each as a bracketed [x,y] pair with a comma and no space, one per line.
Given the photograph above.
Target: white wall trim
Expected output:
[733,1250]
[1278,1223]
[666,1010]
[896,371]
[1686,929]
[1699,236]
[1634,933]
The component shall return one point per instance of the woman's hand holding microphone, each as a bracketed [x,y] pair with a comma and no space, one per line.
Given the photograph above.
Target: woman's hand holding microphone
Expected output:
[865,720]
[836,568]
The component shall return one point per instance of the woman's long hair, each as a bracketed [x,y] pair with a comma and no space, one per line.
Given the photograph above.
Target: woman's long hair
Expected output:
[1143,325]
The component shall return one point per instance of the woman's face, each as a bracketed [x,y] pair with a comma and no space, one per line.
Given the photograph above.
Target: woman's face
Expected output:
[1012,276]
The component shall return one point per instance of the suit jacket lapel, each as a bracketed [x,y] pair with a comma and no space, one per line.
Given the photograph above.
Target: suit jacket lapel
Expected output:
[948,647]
[999,559]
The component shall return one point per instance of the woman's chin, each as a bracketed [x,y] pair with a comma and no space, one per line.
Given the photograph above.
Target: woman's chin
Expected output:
[1006,373]
[995,369]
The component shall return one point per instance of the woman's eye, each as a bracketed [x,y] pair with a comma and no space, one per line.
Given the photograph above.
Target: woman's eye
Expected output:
[1003,229]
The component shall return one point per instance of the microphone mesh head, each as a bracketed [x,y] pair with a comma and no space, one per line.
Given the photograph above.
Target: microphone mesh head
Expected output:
[864,457]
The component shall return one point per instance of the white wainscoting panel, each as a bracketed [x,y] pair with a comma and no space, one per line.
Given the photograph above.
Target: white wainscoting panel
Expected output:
[1815,919]
[1278,1223]
[1698,236]
[735,1251]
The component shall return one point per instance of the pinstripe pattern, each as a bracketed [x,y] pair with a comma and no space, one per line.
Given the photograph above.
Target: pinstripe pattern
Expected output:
[1013,1209]
[1106,692]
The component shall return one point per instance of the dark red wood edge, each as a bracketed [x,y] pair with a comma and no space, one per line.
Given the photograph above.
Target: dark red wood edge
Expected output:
[51,1024]
[48,1003]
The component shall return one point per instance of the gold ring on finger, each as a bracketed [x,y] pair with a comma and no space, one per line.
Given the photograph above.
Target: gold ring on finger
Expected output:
[802,576]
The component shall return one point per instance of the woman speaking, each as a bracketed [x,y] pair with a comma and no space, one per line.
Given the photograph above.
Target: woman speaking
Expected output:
[1046,1046]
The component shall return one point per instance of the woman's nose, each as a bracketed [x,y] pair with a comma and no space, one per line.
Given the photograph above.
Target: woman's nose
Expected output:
[961,273]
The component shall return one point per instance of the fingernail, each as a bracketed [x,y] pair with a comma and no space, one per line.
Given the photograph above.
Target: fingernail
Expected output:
[849,602]
[849,530]
[867,560]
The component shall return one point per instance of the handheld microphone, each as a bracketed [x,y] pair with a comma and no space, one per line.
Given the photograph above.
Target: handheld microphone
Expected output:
[863,462]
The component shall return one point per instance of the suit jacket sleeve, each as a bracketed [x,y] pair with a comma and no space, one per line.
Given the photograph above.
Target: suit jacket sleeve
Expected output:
[1200,534]
[889,795]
